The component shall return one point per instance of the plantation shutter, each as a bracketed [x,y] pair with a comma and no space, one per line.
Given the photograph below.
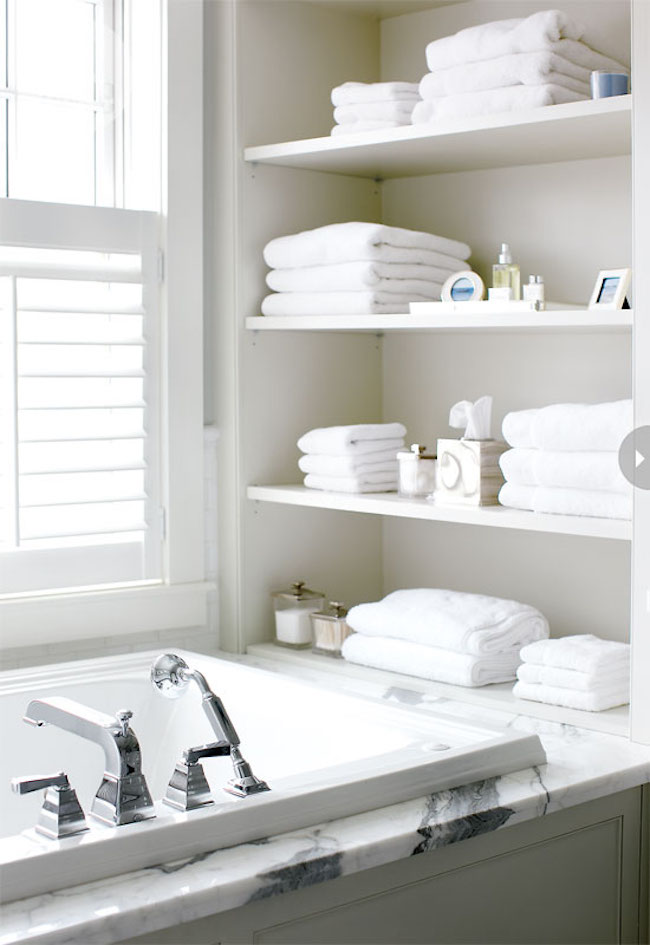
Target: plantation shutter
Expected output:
[79,397]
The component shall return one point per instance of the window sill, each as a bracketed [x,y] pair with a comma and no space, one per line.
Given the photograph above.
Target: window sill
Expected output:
[118,611]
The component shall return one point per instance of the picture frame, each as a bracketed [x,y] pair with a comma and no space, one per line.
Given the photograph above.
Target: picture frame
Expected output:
[610,289]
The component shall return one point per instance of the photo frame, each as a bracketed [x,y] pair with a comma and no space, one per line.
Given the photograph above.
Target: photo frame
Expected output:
[610,289]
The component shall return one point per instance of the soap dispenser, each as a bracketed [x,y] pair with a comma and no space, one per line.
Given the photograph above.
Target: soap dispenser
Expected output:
[505,273]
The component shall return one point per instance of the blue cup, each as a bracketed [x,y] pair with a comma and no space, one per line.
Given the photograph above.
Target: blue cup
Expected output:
[606,84]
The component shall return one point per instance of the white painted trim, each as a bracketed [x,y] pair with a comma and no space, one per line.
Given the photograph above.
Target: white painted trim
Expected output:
[42,619]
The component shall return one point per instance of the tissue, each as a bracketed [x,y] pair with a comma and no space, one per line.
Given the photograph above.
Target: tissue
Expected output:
[474,418]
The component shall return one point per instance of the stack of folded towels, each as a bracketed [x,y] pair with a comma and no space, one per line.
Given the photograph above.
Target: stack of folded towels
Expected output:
[509,65]
[373,106]
[580,672]
[361,457]
[565,460]
[358,269]
[447,636]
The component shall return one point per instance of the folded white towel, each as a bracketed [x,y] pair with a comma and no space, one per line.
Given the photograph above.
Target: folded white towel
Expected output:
[355,93]
[588,701]
[501,38]
[399,288]
[451,620]
[349,465]
[570,427]
[584,652]
[342,303]
[492,101]
[344,242]
[353,439]
[574,678]
[430,662]
[375,111]
[534,68]
[360,127]
[364,482]
[566,470]
[566,501]
[360,276]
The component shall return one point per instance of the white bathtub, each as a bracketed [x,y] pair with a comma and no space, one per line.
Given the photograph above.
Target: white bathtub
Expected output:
[324,756]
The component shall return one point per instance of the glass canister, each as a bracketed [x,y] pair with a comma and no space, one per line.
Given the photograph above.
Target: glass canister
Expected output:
[330,629]
[417,471]
[292,609]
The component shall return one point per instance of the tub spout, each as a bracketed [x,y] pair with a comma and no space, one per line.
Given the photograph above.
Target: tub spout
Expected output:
[123,796]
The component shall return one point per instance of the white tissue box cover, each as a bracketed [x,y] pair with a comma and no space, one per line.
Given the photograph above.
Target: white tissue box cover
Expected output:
[468,472]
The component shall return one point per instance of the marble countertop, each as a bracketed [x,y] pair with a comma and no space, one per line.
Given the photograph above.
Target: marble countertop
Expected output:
[582,766]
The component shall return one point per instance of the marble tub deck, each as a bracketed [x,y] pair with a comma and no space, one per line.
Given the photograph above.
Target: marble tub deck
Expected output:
[582,766]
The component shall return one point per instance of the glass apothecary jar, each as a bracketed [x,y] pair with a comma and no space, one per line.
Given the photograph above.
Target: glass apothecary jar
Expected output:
[292,609]
[330,629]
[417,472]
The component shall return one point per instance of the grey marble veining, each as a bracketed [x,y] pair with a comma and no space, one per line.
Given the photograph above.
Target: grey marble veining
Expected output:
[582,765]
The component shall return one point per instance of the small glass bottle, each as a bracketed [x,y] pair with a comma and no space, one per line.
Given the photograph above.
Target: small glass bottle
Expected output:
[534,291]
[505,273]
[292,609]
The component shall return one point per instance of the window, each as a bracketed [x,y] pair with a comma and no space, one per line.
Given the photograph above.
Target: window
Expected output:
[94,389]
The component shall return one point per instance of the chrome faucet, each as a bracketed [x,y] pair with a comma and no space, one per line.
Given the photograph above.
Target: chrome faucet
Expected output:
[123,796]
[171,676]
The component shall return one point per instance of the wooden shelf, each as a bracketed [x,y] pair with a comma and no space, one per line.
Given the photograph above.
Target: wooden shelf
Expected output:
[389,503]
[496,696]
[570,319]
[570,132]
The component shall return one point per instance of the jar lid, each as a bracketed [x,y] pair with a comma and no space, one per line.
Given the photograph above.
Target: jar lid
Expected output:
[298,591]
[334,610]
[416,452]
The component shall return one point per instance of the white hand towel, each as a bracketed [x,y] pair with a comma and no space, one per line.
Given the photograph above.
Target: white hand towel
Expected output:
[570,427]
[341,303]
[375,111]
[589,701]
[501,38]
[574,678]
[452,620]
[361,127]
[594,504]
[492,101]
[355,93]
[430,662]
[534,68]
[359,276]
[584,652]
[353,439]
[401,288]
[569,470]
[365,482]
[344,242]
[349,465]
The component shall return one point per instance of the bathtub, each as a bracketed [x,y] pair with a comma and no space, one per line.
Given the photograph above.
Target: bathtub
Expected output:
[324,755]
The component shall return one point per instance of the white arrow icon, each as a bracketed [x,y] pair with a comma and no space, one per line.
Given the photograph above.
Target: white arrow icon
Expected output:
[638,459]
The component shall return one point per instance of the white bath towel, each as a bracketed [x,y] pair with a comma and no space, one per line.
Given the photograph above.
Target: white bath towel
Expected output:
[534,68]
[356,93]
[360,276]
[583,652]
[430,662]
[400,288]
[349,465]
[452,620]
[344,242]
[565,470]
[375,111]
[365,482]
[502,38]
[594,504]
[574,678]
[353,439]
[570,427]
[589,701]
[492,101]
[341,303]
[360,127]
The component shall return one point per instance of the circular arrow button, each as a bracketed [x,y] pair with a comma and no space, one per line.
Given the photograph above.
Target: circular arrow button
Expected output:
[634,457]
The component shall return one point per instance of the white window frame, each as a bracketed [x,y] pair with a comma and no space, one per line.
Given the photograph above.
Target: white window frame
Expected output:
[179,599]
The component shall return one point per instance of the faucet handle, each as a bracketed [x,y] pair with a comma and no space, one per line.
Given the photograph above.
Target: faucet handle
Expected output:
[188,787]
[123,717]
[61,814]
[212,750]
